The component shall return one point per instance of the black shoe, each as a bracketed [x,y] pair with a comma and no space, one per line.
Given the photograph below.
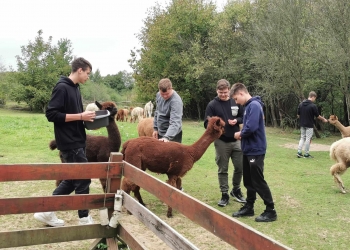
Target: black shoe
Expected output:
[267,216]
[300,155]
[246,210]
[308,156]
[224,200]
[237,195]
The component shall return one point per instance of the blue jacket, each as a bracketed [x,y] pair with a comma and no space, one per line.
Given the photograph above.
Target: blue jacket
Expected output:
[253,136]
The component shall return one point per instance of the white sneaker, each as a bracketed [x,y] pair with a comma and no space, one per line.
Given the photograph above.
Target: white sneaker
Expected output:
[49,218]
[86,220]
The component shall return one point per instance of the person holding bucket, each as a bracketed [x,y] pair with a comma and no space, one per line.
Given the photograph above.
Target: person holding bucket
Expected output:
[227,147]
[65,110]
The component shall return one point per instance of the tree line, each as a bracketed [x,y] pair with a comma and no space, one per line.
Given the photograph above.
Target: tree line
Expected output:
[40,65]
[280,49]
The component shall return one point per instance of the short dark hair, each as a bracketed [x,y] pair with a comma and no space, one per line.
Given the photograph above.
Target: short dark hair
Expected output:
[238,87]
[222,84]
[312,94]
[82,63]
[165,84]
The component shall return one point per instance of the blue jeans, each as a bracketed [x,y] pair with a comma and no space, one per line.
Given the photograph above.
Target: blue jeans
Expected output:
[79,186]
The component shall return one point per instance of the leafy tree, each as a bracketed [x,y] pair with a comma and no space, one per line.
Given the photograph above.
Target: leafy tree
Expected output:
[39,67]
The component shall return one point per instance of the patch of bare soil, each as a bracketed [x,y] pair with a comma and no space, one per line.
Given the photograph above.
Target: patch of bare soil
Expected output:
[200,237]
[313,147]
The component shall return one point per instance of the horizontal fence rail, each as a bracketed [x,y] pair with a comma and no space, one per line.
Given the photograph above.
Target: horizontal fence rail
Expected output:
[225,227]
[228,229]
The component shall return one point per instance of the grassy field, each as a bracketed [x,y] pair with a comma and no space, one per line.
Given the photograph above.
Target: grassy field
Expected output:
[312,213]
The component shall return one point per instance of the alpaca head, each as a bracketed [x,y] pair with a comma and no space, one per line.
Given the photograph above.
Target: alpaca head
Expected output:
[216,125]
[110,106]
[333,119]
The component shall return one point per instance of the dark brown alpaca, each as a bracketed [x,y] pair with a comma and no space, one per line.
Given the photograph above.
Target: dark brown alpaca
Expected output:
[170,158]
[98,148]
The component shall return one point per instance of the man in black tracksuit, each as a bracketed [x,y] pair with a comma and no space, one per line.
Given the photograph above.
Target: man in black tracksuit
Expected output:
[65,110]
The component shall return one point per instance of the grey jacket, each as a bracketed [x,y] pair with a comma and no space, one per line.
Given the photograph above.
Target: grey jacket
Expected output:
[168,116]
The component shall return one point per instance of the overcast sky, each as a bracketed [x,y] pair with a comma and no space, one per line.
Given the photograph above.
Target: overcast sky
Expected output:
[102,31]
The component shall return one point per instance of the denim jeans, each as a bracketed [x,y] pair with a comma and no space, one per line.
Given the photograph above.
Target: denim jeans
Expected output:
[79,186]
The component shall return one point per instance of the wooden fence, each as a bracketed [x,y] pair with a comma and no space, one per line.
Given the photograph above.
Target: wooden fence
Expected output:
[228,229]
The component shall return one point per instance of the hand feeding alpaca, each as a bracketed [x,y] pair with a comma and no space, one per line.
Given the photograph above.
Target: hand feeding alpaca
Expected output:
[98,148]
[345,131]
[340,152]
[170,158]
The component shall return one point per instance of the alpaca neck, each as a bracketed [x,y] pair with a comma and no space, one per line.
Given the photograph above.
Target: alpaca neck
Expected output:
[200,146]
[339,126]
[114,139]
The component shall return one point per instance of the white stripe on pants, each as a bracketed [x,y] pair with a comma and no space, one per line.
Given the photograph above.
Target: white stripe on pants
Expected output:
[305,139]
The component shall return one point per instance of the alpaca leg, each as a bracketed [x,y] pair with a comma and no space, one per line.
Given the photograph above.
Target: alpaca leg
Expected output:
[336,170]
[179,183]
[104,184]
[173,182]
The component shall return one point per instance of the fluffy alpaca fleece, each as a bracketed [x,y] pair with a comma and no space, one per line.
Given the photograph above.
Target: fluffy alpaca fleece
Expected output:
[148,109]
[145,127]
[92,107]
[340,152]
[136,113]
[98,148]
[345,131]
[170,158]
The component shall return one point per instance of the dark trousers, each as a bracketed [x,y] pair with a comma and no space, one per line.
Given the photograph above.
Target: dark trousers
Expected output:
[253,179]
[177,138]
[79,186]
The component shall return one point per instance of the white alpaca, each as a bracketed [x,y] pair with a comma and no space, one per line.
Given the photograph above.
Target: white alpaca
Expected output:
[340,152]
[91,107]
[148,109]
[136,113]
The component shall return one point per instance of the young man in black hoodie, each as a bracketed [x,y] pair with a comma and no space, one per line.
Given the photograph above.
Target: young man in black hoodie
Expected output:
[65,110]
[307,110]
[227,147]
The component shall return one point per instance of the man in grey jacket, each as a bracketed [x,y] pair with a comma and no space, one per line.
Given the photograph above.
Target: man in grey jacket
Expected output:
[168,115]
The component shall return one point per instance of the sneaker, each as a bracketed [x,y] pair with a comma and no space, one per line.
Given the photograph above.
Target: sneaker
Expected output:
[49,218]
[308,156]
[86,220]
[300,155]
[246,210]
[237,195]
[267,216]
[224,200]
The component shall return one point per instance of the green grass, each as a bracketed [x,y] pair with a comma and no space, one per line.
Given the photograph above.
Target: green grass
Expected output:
[312,213]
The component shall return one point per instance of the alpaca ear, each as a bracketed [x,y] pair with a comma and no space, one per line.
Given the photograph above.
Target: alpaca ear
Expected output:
[98,105]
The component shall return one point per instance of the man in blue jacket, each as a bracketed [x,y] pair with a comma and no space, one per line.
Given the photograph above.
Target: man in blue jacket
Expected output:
[65,110]
[253,139]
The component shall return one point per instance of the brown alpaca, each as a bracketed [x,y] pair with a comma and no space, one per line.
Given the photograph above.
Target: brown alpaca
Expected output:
[120,115]
[145,127]
[170,158]
[126,114]
[340,152]
[98,148]
[345,131]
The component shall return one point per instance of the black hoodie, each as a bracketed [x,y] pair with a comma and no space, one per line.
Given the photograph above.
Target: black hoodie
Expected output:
[66,99]
[217,107]
[307,112]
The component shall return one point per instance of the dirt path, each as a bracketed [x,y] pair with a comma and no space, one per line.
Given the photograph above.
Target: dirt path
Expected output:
[315,146]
